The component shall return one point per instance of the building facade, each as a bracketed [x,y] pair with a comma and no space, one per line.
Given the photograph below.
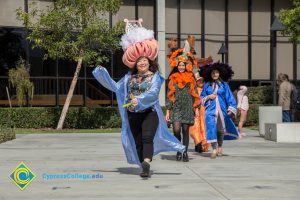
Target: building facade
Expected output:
[242,25]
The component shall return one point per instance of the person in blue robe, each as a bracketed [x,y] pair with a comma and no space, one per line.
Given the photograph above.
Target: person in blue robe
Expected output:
[220,106]
[163,140]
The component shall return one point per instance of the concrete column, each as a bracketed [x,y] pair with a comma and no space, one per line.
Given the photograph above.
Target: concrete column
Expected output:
[161,37]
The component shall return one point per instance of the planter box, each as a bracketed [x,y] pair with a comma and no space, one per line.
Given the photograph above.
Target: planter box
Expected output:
[283,132]
[268,114]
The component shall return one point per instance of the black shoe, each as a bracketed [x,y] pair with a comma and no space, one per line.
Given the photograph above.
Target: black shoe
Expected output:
[185,157]
[178,156]
[198,148]
[146,170]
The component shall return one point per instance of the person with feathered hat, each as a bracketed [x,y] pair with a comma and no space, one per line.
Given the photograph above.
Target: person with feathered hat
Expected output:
[183,100]
[220,105]
[144,130]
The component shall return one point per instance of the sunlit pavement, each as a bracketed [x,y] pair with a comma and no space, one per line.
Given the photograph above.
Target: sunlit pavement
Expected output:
[251,169]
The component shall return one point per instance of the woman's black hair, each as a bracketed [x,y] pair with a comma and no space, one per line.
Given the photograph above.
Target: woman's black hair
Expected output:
[175,69]
[238,85]
[224,69]
[153,66]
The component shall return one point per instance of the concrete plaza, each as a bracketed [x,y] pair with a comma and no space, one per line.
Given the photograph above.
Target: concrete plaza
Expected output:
[251,169]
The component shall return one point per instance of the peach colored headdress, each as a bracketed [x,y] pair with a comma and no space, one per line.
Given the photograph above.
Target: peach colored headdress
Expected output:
[137,42]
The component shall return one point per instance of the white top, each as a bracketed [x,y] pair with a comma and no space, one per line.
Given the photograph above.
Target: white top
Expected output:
[243,102]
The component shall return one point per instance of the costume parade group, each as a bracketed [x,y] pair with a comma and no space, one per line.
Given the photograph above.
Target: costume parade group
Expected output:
[199,101]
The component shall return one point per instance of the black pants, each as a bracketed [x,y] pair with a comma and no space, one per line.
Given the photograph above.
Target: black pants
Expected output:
[143,127]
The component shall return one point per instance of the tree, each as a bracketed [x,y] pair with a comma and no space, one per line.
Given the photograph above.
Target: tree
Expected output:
[75,30]
[290,18]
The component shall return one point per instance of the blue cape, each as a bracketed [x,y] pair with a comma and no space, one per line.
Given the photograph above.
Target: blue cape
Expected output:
[163,141]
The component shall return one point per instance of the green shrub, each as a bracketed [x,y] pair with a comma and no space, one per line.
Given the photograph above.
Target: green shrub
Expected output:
[260,95]
[77,117]
[257,96]
[28,117]
[104,117]
[114,121]
[7,134]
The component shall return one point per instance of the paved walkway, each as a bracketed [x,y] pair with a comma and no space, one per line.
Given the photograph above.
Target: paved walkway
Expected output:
[252,169]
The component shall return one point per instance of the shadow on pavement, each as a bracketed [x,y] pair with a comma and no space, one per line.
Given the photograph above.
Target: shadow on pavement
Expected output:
[122,170]
[171,157]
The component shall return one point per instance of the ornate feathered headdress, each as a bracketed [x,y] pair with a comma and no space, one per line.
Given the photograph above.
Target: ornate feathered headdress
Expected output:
[137,41]
[183,55]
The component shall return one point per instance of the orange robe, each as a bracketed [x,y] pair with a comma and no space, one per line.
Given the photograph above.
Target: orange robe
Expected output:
[197,131]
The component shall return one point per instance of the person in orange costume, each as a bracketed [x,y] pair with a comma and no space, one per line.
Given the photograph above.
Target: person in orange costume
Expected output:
[197,131]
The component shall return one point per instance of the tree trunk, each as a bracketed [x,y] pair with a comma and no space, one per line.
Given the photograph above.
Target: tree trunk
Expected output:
[69,96]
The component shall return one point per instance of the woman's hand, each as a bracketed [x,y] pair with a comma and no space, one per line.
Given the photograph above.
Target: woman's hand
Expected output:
[212,96]
[229,112]
[167,117]
[239,111]
[134,101]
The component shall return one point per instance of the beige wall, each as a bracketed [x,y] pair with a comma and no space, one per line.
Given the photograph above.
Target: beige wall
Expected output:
[171,16]
[260,58]
[284,47]
[214,24]
[238,46]
[191,21]
[146,12]
[238,30]
[284,56]
[8,10]
[261,17]
[171,27]
[191,16]
[238,56]
[7,14]
[127,10]
[42,4]
[261,46]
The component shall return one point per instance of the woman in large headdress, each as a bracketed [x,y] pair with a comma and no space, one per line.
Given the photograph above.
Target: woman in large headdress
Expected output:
[183,100]
[220,105]
[144,130]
